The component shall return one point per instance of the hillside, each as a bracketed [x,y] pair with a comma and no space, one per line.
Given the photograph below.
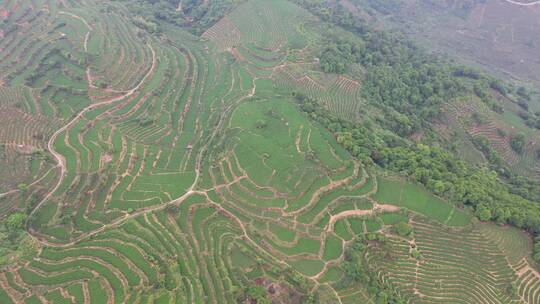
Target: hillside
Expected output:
[497,35]
[254,152]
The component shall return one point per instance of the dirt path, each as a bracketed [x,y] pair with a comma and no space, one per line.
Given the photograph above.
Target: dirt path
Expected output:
[349,213]
[60,160]
[30,185]
[246,237]
[85,44]
[9,192]
[86,292]
[90,79]
[526,268]
[335,293]
[11,293]
[324,189]
[87,36]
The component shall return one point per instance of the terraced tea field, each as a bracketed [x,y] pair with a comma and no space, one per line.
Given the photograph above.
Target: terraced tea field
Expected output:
[169,168]
[476,120]
[471,268]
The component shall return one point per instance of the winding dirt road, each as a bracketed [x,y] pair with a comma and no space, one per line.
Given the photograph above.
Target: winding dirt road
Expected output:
[87,36]
[61,163]
[360,212]
[60,160]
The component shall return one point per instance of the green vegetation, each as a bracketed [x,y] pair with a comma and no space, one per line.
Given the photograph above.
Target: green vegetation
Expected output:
[151,152]
[15,222]
[403,229]
[193,15]
[357,270]
[435,168]
[457,249]
[518,143]
[258,294]
[415,198]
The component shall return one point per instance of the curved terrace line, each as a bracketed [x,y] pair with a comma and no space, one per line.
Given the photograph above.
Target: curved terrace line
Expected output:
[60,160]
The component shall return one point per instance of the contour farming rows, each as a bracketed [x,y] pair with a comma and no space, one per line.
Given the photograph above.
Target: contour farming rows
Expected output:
[477,121]
[181,177]
[448,267]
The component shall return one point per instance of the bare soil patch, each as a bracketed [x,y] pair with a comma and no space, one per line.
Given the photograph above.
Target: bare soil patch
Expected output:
[106,158]
[4,13]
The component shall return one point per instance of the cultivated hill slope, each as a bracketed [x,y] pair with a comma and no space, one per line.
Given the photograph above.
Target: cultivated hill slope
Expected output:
[149,165]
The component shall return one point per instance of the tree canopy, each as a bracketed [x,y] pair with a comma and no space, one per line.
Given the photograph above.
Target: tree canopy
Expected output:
[437,169]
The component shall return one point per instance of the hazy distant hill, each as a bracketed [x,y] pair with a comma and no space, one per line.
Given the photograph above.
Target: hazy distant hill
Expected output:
[500,35]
